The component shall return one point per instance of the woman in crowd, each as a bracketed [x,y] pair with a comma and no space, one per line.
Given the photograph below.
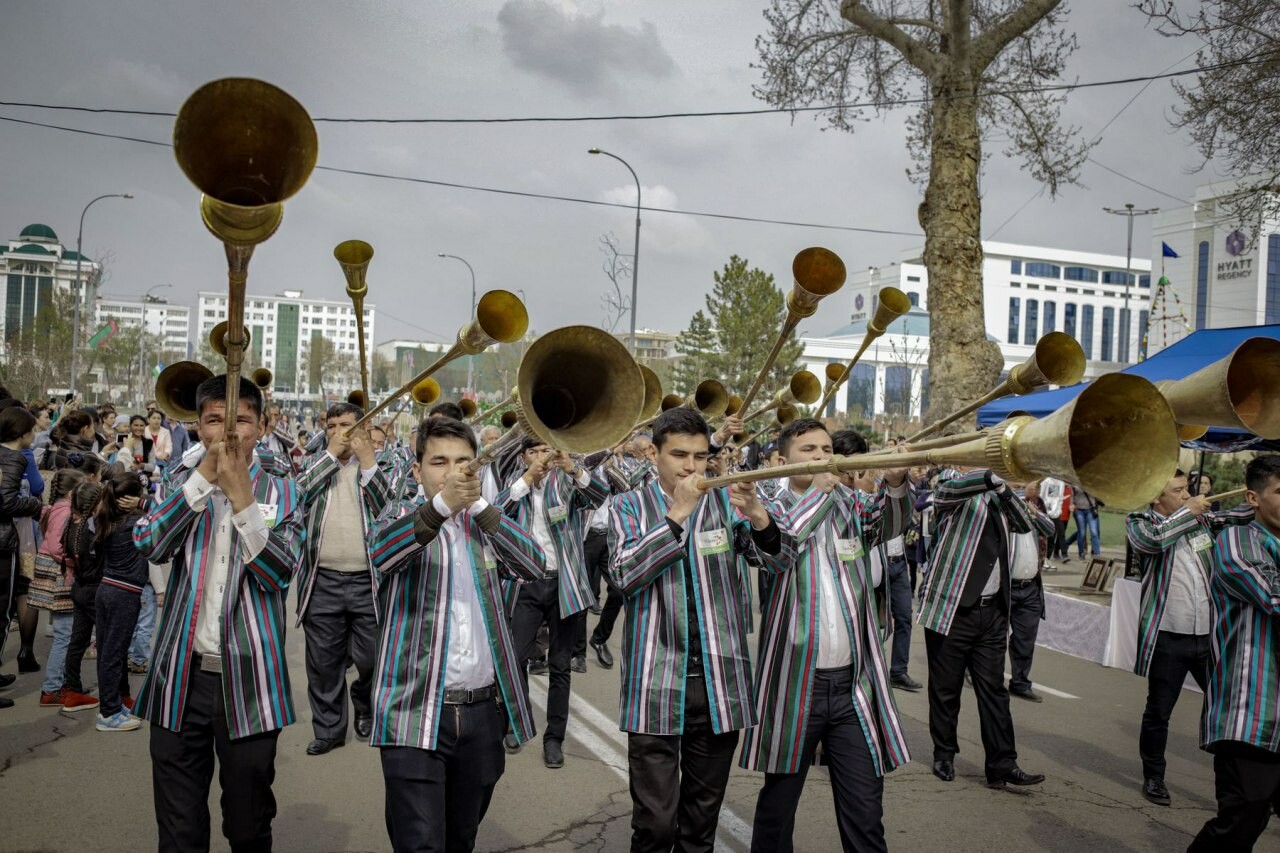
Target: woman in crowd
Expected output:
[159,441]
[77,544]
[72,434]
[17,430]
[55,573]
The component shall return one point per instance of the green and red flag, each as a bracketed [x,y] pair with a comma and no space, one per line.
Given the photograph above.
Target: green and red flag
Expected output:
[106,333]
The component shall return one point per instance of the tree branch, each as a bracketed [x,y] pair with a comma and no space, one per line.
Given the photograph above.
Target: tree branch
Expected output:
[989,45]
[886,31]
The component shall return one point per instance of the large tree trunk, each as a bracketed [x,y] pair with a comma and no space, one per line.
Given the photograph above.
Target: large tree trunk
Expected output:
[963,364]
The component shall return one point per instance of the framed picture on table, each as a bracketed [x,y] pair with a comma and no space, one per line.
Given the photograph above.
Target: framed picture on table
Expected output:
[1096,574]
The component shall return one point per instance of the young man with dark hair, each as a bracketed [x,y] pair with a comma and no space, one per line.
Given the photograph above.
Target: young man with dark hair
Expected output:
[686,670]
[822,677]
[446,409]
[551,500]
[1173,541]
[218,683]
[447,681]
[344,491]
[277,439]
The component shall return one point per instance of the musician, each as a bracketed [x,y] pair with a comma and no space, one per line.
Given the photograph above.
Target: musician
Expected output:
[344,491]
[965,611]
[1241,723]
[446,409]
[218,683]
[686,670]
[446,679]
[1026,597]
[548,500]
[1173,541]
[278,440]
[822,676]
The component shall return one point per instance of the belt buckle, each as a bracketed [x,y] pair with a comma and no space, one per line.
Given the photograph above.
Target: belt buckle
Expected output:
[211,663]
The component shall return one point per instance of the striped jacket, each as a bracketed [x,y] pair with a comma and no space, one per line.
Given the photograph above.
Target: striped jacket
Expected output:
[562,494]
[255,674]
[316,483]
[645,564]
[1154,539]
[963,503]
[788,653]
[413,650]
[1243,699]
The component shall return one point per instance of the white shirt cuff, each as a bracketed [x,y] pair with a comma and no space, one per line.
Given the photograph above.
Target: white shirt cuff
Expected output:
[366,474]
[441,506]
[479,506]
[519,489]
[197,490]
[253,531]
[584,479]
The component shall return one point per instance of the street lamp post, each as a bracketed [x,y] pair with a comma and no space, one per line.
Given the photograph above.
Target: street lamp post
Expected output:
[635,257]
[147,299]
[1129,213]
[471,359]
[75,286]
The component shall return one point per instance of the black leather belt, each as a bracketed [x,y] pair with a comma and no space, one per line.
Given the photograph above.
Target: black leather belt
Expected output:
[694,668]
[1022,584]
[470,697]
[208,663]
[988,600]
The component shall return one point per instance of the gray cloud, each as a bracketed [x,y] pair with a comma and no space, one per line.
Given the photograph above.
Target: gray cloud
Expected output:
[580,50]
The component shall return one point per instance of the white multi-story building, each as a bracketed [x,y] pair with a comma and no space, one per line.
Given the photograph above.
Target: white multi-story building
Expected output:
[1226,273]
[282,329]
[1028,291]
[35,266]
[171,323]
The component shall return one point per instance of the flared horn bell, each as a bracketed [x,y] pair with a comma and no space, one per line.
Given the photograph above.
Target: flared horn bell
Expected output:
[425,392]
[248,146]
[734,406]
[710,398]
[818,273]
[833,373]
[354,256]
[579,389]
[218,338]
[356,398]
[176,389]
[509,419]
[652,392]
[803,388]
[786,414]
[891,303]
[672,401]
[500,318]
[1058,360]
[261,377]
[1240,391]
[468,407]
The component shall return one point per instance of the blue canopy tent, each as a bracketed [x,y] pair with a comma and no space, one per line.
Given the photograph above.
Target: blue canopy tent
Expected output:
[1188,355]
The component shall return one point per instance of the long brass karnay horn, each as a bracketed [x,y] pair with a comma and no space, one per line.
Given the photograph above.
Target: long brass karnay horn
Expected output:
[710,399]
[425,392]
[891,303]
[1241,391]
[261,377]
[652,391]
[176,389]
[785,414]
[1226,496]
[468,407]
[500,318]
[818,272]
[476,417]
[247,146]
[354,256]
[1117,440]
[1057,360]
[834,374]
[579,390]
[218,338]
[803,387]
[357,397]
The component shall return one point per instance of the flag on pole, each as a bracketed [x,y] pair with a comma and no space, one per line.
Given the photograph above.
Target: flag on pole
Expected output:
[157,368]
[1166,252]
[106,333]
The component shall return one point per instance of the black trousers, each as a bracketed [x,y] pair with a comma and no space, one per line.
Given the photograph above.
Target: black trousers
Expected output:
[1058,544]
[678,781]
[597,553]
[1247,783]
[437,798]
[1175,656]
[8,594]
[1026,604]
[977,642]
[541,600]
[117,615]
[339,621]
[182,769]
[84,616]
[857,790]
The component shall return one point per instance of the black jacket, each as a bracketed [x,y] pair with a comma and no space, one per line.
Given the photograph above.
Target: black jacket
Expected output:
[13,465]
[120,559]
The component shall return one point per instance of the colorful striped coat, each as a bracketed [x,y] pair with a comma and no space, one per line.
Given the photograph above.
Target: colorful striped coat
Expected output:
[255,674]
[1243,699]
[413,650]
[962,503]
[645,564]
[1154,539]
[788,652]
[315,483]
[562,493]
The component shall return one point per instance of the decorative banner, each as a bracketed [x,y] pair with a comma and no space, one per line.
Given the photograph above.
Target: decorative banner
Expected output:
[106,333]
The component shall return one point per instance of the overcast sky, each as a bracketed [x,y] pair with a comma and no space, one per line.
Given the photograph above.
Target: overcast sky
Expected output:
[494,58]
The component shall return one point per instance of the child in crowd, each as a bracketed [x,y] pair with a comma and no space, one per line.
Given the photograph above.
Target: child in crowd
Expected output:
[124,573]
[51,589]
[77,545]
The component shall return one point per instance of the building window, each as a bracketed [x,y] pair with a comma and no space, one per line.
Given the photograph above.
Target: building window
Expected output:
[1086,330]
[1080,274]
[1031,285]
[1108,332]
[1033,321]
[1015,310]
[1053,287]
[913,278]
[1043,270]
[913,298]
[1144,280]
[1015,284]
[1015,267]
[1273,279]
[1050,317]
[1069,319]
[1116,277]
[1202,285]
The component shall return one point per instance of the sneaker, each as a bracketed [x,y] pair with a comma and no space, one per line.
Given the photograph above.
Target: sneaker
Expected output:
[73,701]
[118,722]
[54,699]
[91,652]
[138,668]
[128,702]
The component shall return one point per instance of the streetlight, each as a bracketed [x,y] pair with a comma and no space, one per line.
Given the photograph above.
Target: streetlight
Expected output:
[635,257]
[75,286]
[147,299]
[1129,212]
[471,358]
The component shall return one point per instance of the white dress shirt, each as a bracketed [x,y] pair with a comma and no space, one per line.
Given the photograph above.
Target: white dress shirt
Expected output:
[540,525]
[470,663]
[834,648]
[1026,556]
[1186,610]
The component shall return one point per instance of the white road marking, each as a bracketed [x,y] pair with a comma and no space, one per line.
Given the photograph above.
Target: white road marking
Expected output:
[1049,690]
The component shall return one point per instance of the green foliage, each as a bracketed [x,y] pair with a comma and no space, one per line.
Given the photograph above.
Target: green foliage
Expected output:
[696,346]
[747,310]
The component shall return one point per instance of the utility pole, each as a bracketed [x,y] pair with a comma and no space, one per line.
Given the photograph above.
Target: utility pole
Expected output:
[1126,321]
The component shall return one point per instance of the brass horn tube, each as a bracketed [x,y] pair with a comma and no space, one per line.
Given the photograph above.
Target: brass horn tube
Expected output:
[892,304]
[501,404]
[1241,390]
[261,377]
[1058,360]
[1226,496]
[354,256]
[817,272]
[803,387]
[786,414]
[175,390]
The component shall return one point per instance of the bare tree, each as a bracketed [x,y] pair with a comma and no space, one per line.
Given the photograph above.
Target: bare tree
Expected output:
[1230,111]
[976,65]
[617,268]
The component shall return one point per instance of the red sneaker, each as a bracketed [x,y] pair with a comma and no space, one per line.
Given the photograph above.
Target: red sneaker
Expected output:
[128,703]
[54,699]
[72,701]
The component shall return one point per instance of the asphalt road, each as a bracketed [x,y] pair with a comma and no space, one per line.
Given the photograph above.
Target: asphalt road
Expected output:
[66,787]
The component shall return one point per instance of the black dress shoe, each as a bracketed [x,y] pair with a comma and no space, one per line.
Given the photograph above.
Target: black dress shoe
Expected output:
[7,679]
[321,745]
[27,662]
[511,744]
[1028,694]
[364,727]
[906,682]
[945,770]
[603,654]
[6,702]
[1155,791]
[1016,776]
[578,663]
[537,667]
[596,609]
[552,754]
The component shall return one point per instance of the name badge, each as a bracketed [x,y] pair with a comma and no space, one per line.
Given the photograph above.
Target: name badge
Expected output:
[713,541]
[557,514]
[269,513]
[490,558]
[848,550]
[1201,542]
